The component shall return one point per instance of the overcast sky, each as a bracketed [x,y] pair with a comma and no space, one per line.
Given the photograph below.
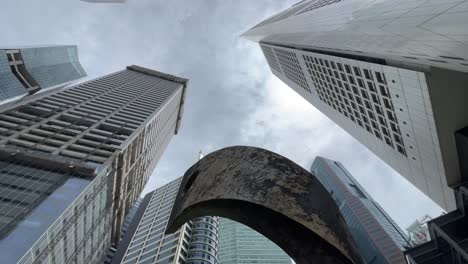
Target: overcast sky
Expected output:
[232,98]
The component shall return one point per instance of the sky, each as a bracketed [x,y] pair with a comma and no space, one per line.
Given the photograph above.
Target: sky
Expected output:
[232,97]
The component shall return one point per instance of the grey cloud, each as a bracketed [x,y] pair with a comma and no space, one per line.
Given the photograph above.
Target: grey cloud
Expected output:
[232,97]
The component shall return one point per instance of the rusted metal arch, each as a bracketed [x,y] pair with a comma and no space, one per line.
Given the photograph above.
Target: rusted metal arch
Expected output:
[270,194]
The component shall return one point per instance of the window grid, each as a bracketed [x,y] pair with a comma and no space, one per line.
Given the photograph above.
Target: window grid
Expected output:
[149,243]
[291,67]
[270,57]
[358,93]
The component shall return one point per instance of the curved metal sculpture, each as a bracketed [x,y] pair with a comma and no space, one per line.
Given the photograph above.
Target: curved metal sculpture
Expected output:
[270,194]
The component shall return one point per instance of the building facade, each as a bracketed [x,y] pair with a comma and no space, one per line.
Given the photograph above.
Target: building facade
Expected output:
[379,70]
[241,244]
[26,71]
[74,160]
[204,241]
[146,240]
[377,237]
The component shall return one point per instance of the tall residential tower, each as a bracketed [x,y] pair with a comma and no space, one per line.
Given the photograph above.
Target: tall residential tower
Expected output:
[27,70]
[73,161]
[392,73]
[377,237]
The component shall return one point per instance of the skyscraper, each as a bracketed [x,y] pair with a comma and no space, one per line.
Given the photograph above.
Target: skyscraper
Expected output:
[73,161]
[377,237]
[241,244]
[146,242]
[380,70]
[204,240]
[27,70]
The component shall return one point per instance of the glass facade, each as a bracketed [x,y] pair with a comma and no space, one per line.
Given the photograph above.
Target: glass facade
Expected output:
[241,244]
[27,70]
[204,241]
[22,187]
[378,238]
[149,243]
[10,86]
[73,162]
[51,66]
[72,224]
[146,241]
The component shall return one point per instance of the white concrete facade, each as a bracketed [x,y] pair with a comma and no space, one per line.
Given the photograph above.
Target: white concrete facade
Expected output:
[400,89]
[392,118]
[430,32]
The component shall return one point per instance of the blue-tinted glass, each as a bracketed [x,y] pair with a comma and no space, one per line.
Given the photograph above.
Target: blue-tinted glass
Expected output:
[50,66]
[9,85]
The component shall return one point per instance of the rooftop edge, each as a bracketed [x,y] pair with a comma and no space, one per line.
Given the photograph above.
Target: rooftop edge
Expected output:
[158,74]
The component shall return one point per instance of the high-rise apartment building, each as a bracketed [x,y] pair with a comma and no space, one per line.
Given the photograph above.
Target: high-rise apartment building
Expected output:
[241,244]
[392,73]
[146,240]
[378,238]
[74,160]
[27,70]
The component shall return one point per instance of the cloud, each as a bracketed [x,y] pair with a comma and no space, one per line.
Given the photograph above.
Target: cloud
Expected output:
[232,96]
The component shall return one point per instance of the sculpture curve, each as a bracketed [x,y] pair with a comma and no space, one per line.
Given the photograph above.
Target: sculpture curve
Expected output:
[270,194]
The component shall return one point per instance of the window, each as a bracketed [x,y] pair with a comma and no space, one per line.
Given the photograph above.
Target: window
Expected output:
[359,95]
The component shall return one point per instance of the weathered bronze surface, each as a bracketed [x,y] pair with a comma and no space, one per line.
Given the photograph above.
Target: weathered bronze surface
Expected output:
[270,194]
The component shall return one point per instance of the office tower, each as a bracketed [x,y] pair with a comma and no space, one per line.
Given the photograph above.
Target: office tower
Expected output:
[392,73]
[377,237]
[74,160]
[27,70]
[146,242]
[204,241]
[241,244]
[418,231]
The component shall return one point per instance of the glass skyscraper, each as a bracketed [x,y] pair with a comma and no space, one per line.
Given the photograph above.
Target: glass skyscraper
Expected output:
[241,244]
[73,162]
[145,240]
[377,236]
[27,70]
